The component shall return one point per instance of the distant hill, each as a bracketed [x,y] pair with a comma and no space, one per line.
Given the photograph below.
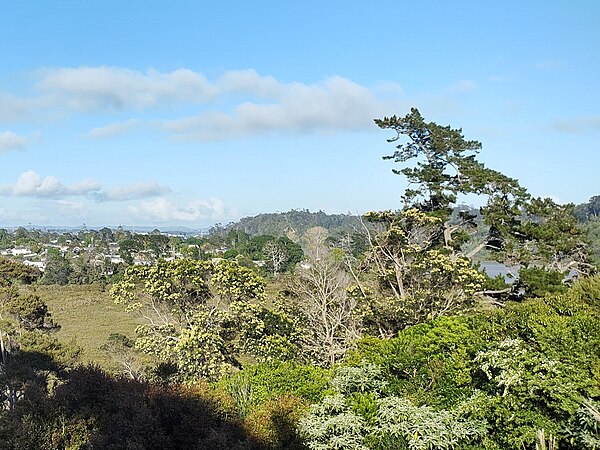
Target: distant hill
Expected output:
[298,221]
[295,221]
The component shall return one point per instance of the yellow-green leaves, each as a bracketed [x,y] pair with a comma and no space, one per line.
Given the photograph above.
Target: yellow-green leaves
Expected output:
[199,316]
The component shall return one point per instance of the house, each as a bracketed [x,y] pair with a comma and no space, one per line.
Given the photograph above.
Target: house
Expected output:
[39,264]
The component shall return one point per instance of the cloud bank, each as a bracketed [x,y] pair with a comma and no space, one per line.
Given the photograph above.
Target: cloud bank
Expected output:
[163,210]
[134,191]
[31,184]
[333,105]
[237,103]
[97,88]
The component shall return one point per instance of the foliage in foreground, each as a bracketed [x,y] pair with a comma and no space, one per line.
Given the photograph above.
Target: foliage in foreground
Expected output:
[529,367]
[90,409]
[360,416]
[487,381]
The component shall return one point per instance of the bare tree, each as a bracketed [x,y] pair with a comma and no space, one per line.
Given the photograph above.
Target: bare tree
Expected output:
[276,255]
[322,301]
[315,243]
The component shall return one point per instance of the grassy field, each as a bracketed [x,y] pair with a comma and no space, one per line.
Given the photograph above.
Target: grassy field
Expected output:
[87,316]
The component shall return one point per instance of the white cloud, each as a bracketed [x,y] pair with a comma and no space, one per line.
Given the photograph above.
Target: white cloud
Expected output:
[134,191]
[113,129]
[249,82]
[14,108]
[92,88]
[577,125]
[237,103]
[162,210]
[335,104]
[30,184]
[12,141]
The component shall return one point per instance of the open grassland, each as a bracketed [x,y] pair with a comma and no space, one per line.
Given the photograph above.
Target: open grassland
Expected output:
[87,316]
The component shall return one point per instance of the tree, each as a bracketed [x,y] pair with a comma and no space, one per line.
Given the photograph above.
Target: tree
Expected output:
[199,315]
[106,234]
[553,236]
[173,298]
[417,279]
[445,166]
[11,271]
[326,312]
[590,210]
[294,251]
[276,256]
[30,357]
[121,349]
[424,240]
[158,243]
[29,310]
[279,254]
[58,268]
[4,238]
[127,247]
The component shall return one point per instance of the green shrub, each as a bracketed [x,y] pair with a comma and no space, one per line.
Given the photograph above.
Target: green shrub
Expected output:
[11,271]
[520,369]
[538,281]
[353,419]
[259,383]
[587,289]
[429,362]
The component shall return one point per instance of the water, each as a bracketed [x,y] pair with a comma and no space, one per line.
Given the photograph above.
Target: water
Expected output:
[494,268]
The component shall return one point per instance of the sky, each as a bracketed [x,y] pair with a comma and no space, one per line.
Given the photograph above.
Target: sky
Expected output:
[188,113]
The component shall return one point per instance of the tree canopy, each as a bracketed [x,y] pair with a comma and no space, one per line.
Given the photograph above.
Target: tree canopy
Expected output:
[513,227]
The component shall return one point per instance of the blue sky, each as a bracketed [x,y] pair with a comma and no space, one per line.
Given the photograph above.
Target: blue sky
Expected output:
[191,113]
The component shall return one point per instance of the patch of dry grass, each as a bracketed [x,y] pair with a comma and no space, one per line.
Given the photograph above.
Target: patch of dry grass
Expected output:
[87,316]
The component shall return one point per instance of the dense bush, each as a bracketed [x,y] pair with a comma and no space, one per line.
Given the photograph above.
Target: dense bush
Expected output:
[361,416]
[537,281]
[261,383]
[495,380]
[529,367]
[428,362]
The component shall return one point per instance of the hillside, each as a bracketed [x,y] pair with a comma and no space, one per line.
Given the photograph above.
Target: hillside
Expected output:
[294,221]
